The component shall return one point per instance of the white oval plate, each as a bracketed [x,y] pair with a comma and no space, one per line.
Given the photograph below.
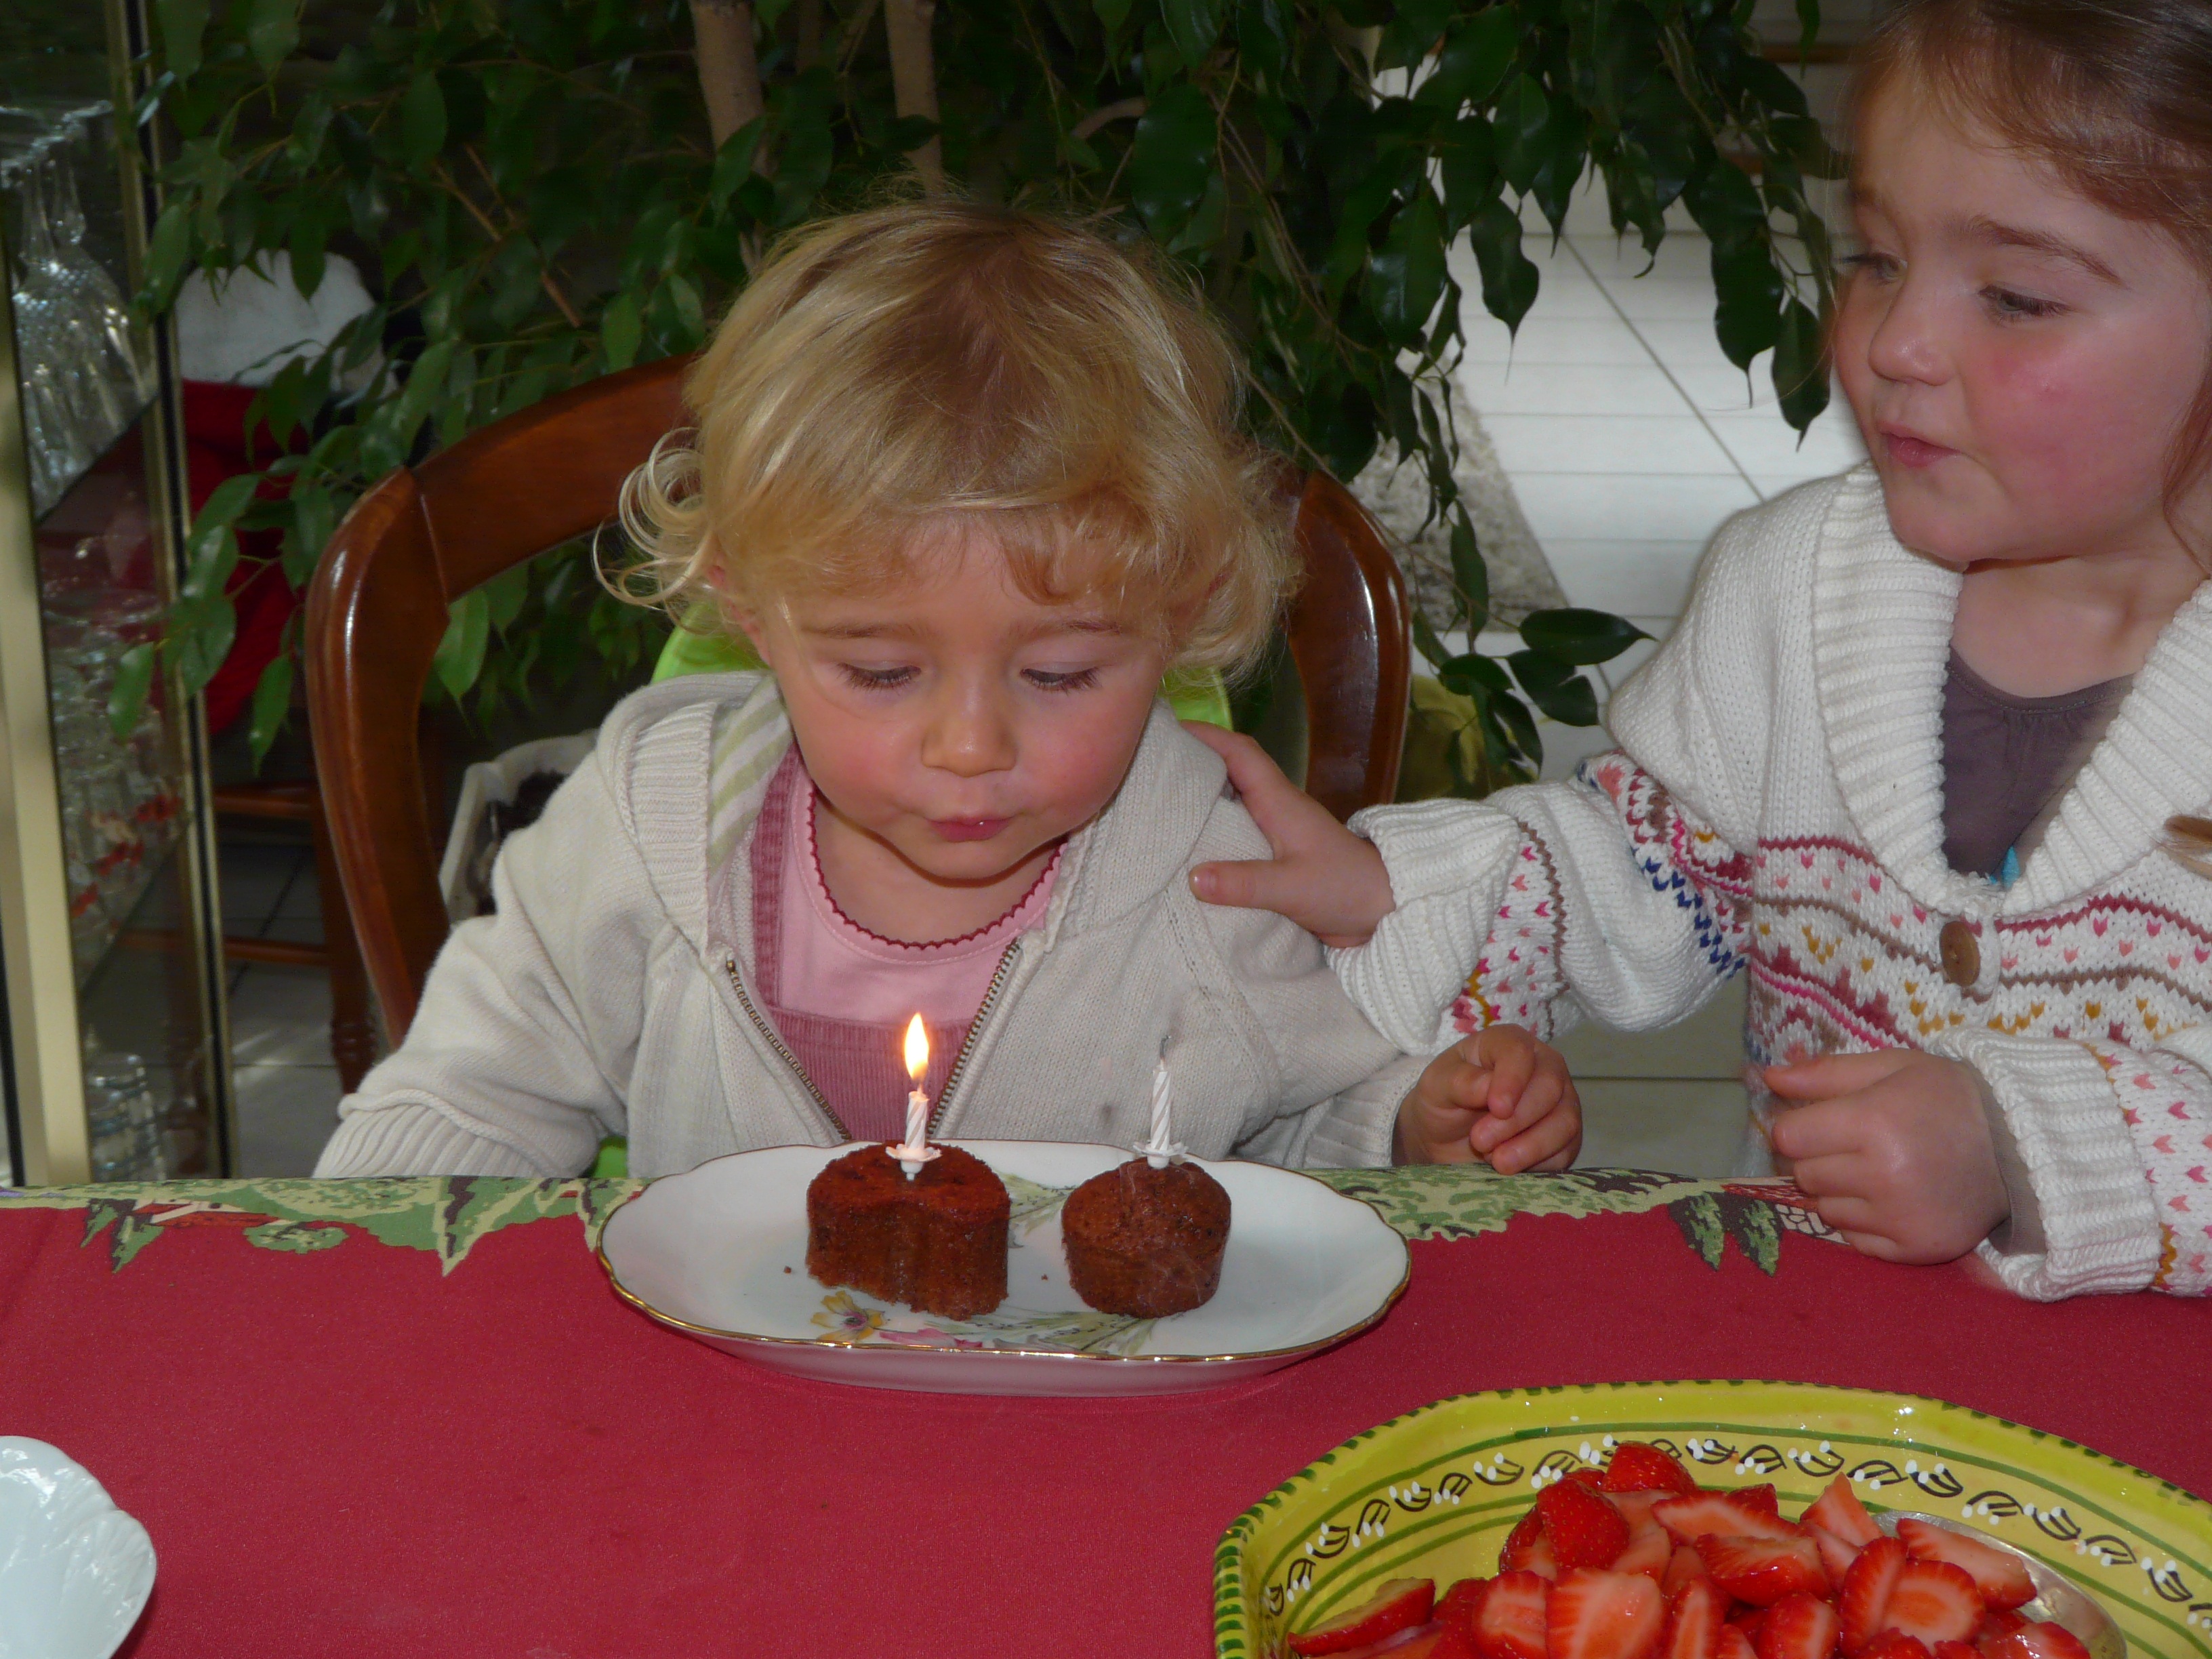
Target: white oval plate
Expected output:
[719,1254]
[74,1570]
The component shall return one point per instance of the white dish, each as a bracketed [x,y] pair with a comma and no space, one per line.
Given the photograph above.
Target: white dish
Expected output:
[719,1254]
[74,1570]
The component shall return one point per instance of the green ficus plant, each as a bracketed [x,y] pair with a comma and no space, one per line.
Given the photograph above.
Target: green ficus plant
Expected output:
[540,191]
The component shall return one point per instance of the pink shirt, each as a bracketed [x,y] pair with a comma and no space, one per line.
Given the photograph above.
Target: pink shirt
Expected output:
[841,996]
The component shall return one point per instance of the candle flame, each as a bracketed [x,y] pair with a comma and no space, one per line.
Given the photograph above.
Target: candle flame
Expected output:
[917,1050]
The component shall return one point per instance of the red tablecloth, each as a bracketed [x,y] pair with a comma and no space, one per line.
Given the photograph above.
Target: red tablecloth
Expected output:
[347,1450]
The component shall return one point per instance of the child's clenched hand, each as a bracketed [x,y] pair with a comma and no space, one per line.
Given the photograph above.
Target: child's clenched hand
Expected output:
[1322,876]
[1498,1095]
[1894,1149]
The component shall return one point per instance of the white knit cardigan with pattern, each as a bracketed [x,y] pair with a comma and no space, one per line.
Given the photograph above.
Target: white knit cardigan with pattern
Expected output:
[1775,806]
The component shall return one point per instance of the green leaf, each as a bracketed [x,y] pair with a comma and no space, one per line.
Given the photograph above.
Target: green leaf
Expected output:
[1555,687]
[733,162]
[1194,26]
[1508,276]
[1800,366]
[691,309]
[1524,121]
[201,628]
[1748,299]
[272,31]
[620,325]
[296,1237]
[422,120]
[1467,168]
[1469,573]
[1472,674]
[1520,725]
[272,702]
[314,515]
[504,594]
[460,654]
[1406,274]
[1809,27]
[1580,636]
[1172,158]
[133,680]
[1475,56]
[167,251]
[183,24]
[1699,1219]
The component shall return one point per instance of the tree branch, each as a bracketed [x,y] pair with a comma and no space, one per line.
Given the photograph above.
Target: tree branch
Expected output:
[913,80]
[1099,117]
[729,72]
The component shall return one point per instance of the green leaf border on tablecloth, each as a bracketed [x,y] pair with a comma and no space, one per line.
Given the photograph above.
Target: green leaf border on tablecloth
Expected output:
[448,1215]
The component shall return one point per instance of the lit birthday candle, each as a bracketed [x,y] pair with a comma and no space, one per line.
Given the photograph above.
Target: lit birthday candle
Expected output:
[916,1151]
[1159,1151]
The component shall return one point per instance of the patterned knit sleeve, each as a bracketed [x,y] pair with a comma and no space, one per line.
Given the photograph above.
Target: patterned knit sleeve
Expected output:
[1600,895]
[2115,1143]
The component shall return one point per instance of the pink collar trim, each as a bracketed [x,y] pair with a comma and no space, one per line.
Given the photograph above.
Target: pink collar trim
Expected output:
[1026,912]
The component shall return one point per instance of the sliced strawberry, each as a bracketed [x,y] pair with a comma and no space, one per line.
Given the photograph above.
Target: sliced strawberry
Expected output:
[1400,1604]
[1514,1555]
[1839,1511]
[1865,1598]
[1997,1621]
[2001,1579]
[1759,1497]
[1935,1601]
[1603,1615]
[1696,1615]
[1957,1650]
[1585,1530]
[1836,1555]
[1460,1605]
[1431,1641]
[1635,1506]
[2039,1641]
[1594,1479]
[1510,1624]
[1735,1645]
[1747,1620]
[1798,1627]
[1650,1549]
[1730,1514]
[1762,1571]
[1896,1644]
[1684,1566]
[1636,1467]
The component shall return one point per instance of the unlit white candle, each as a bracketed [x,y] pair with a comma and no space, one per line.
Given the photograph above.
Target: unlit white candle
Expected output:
[1159,1151]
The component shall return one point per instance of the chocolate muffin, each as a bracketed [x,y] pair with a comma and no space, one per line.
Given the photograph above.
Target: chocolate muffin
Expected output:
[1143,1240]
[936,1243]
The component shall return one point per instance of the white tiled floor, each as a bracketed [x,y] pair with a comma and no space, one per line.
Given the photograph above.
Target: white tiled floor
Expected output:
[286,1082]
[1630,438]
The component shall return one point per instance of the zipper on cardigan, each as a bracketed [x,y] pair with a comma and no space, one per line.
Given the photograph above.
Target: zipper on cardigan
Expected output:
[737,984]
[975,1030]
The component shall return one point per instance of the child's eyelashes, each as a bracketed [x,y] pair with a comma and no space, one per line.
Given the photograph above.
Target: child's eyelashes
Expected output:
[1866,262]
[2007,305]
[874,679]
[1046,679]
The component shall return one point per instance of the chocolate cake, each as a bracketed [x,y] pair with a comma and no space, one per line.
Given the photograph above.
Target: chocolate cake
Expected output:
[936,1243]
[1144,1241]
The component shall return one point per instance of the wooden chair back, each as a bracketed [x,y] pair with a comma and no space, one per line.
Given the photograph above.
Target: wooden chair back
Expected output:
[425,535]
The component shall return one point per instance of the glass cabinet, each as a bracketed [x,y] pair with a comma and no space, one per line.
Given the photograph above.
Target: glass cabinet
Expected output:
[112,1044]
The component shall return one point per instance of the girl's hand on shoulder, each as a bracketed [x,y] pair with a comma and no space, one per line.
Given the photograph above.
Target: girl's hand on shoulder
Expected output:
[1322,876]
[1499,1095]
[1894,1149]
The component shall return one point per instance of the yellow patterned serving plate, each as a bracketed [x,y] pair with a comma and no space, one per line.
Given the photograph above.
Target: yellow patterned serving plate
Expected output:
[1435,1491]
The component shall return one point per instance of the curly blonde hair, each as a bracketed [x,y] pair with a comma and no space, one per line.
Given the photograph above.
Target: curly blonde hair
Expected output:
[892,374]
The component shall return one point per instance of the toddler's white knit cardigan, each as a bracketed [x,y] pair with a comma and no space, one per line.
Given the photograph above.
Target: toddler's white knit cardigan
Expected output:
[1776,806]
